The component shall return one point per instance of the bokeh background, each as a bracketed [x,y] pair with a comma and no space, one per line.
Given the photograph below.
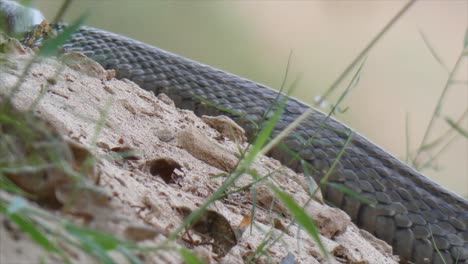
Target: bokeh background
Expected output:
[400,80]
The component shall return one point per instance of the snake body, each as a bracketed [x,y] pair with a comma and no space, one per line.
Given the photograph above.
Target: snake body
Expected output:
[424,222]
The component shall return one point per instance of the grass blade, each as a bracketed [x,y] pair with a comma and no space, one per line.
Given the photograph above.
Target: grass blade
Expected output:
[350,192]
[301,217]
[28,226]
[457,128]
[465,43]
[130,256]
[189,257]
[433,52]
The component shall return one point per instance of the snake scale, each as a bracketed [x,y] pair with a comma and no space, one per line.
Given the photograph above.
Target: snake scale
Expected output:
[424,222]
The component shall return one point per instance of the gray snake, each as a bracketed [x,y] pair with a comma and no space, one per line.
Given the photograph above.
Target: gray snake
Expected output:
[424,222]
[411,211]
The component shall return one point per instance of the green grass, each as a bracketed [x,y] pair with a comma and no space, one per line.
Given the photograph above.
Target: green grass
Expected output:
[437,146]
[96,244]
[30,148]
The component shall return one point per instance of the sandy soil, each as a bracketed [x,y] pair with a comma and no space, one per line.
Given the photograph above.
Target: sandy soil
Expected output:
[155,163]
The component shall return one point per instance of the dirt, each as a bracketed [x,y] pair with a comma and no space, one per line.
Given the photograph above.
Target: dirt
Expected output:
[153,163]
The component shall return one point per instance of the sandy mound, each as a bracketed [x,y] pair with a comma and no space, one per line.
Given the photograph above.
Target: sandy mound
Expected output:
[155,162]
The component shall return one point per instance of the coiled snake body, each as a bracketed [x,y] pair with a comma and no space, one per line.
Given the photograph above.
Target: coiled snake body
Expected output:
[424,222]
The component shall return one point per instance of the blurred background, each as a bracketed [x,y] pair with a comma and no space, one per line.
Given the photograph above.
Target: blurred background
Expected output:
[400,82]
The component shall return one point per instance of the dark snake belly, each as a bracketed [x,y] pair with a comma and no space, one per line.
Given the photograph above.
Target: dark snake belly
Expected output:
[420,219]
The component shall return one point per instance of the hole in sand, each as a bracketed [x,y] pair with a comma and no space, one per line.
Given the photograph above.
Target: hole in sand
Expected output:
[164,168]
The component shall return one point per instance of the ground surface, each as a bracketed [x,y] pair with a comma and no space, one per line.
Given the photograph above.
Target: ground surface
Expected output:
[176,161]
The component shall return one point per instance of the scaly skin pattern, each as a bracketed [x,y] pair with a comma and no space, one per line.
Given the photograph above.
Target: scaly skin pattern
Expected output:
[424,222]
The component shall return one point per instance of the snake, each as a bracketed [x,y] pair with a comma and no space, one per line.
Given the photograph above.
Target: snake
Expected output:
[421,220]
